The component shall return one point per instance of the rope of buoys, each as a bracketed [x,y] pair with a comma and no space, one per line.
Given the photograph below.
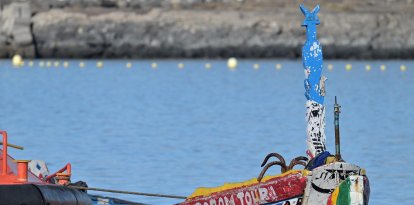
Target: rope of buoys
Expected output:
[278,66]
[99,64]
[403,68]
[232,64]
[207,66]
[348,67]
[17,61]
[127,192]
[154,65]
[330,67]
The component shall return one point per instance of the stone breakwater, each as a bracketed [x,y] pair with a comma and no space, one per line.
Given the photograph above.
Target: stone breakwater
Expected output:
[196,29]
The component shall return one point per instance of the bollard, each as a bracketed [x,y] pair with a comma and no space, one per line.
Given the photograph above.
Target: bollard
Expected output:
[22,170]
[63,178]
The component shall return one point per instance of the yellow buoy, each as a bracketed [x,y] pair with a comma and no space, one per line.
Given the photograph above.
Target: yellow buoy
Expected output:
[30,64]
[383,67]
[56,64]
[403,68]
[81,64]
[232,63]
[154,65]
[330,67]
[129,65]
[65,64]
[48,64]
[256,66]
[181,65]
[208,65]
[348,67]
[99,64]
[17,60]
[278,66]
[367,67]
[41,64]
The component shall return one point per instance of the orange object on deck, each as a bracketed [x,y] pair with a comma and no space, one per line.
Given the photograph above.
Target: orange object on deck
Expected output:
[4,171]
[22,170]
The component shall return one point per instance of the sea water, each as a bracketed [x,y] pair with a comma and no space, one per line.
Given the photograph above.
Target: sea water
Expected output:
[170,126]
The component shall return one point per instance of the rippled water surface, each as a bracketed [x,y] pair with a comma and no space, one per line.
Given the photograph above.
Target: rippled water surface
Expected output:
[169,130]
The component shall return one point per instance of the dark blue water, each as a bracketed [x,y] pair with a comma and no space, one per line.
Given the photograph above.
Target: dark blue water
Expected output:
[169,130]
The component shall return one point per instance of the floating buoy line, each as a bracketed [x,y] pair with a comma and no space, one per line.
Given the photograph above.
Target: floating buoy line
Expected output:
[231,63]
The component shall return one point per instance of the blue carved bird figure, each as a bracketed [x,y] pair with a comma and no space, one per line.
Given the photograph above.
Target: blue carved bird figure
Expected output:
[312,57]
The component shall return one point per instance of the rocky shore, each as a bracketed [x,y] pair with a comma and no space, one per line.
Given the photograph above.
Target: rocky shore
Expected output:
[373,29]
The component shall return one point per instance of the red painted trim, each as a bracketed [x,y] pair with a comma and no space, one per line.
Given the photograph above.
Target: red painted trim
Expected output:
[274,190]
[67,168]
[4,133]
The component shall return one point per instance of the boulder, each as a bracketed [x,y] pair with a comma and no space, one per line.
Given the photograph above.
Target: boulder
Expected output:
[22,36]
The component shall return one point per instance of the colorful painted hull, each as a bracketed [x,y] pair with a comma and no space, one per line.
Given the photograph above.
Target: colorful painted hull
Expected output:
[337,183]
[289,186]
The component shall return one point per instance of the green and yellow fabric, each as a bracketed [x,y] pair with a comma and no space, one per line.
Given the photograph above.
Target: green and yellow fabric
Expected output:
[349,192]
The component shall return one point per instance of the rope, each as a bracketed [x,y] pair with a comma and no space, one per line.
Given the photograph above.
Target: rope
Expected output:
[127,192]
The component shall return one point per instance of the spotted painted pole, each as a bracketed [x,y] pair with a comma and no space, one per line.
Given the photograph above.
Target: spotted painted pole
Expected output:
[314,84]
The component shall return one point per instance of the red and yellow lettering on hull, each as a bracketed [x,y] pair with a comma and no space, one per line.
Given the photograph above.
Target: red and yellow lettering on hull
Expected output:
[271,189]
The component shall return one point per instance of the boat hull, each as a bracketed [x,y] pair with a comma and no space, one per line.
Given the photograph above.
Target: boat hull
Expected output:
[271,190]
[35,194]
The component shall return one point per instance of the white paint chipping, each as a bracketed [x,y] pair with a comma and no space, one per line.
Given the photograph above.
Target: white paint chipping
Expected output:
[315,118]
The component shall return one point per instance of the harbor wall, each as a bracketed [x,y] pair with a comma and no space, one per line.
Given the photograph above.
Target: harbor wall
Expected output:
[373,29]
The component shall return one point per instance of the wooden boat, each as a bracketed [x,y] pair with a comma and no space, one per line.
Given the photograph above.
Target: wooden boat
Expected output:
[336,183]
[326,180]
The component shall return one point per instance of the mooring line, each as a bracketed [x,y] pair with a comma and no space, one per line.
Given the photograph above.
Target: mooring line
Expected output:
[127,192]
